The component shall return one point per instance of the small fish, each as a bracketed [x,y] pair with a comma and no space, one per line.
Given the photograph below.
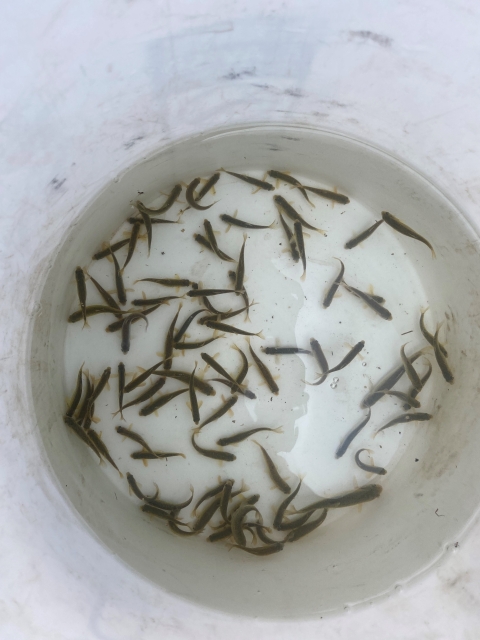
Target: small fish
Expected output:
[133,384]
[369,301]
[321,359]
[83,408]
[237,519]
[102,448]
[206,302]
[223,533]
[116,326]
[224,315]
[225,499]
[183,329]
[218,368]
[145,302]
[227,328]
[204,293]
[242,223]
[367,467]
[363,236]
[243,435]
[261,184]
[441,359]
[195,345]
[407,417]
[160,402]
[294,524]
[210,183]
[146,395]
[136,437]
[327,301]
[203,241]
[148,226]
[278,175]
[160,513]
[104,378]
[132,483]
[412,394]
[240,272]
[206,515]
[77,394]
[132,243]
[273,472]
[211,493]
[193,397]
[278,351]
[176,529]
[82,293]
[290,238]
[234,388]
[265,373]
[428,336]
[126,329]
[301,246]
[407,398]
[330,195]
[358,496]
[95,310]
[410,370]
[283,506]
[244,370]
[173,195]
[153,221]
[168,282]
[401,227]
[352,435]
[81,433]
[267,550]
[212,453]
[260,531]
[184,377]
[296,534]
[170,506]
[121,294]
[213,242]
[167,363]
[226,406]
[292,214]
[351,355]
[110,300]
[387,383]
[191,199]
[114,247]
[154,455]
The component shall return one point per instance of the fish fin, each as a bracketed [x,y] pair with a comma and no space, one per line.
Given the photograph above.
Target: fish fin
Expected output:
[96,419]
[200,403]
[278,430]
[145,463]
[160,354]
[188,405]
[303,276]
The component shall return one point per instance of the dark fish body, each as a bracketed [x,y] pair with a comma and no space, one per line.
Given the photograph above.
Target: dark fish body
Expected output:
[220,412]
[132,243]
[234,388]
[294,524]
[183,329]
[351,355]
[406,397]
[145,302]
[402,228]
[153,455]
[369,301]
[221,534]
[77,395]
[84,406]
[81,433]
[175,192]
[201,293]
[210,183]
[273,472]
[410,370]
[363,236]
[261,184]
[126,329]
[168,282]
[243,435]
[192,200]
[116,326]
[292,214]
[223,315]
[195,345]
[136,437]
[110,300]
[203,241]
[358,496]
[101,384]
[160,513]
[321,359]
[169,506]
[152,221]
[213,242]
[206,515]
[236,522]
[168,357]
[146,395]
[428,336]
[368,467]
[242,223]
[277,351]
[267,550]
[193,398]
[102,448]
[327,301]
[133,384]
[283,506]
[114,247]
[244,370]
[387,383]
[240,273]
[216,366]
[221,326]
[442,360]
[407,417]
[95,310]
[265,373]
[330,195]
[82,292]
[225,499]
[148,226]
[184,377]
[160,402]
[278,175]
[290,238]
[211,493]
[301,245]
[413,393]
[298,533]
[121,294]
[260,531]
[134,487]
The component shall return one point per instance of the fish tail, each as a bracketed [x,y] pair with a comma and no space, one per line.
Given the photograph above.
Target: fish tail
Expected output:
[260,335]
[303,276]
[434,255]
[278,430]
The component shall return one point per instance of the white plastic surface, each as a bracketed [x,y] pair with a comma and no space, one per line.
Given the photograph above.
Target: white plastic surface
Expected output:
[398,77]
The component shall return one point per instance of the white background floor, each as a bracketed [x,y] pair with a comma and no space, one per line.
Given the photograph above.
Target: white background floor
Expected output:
[89,87]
